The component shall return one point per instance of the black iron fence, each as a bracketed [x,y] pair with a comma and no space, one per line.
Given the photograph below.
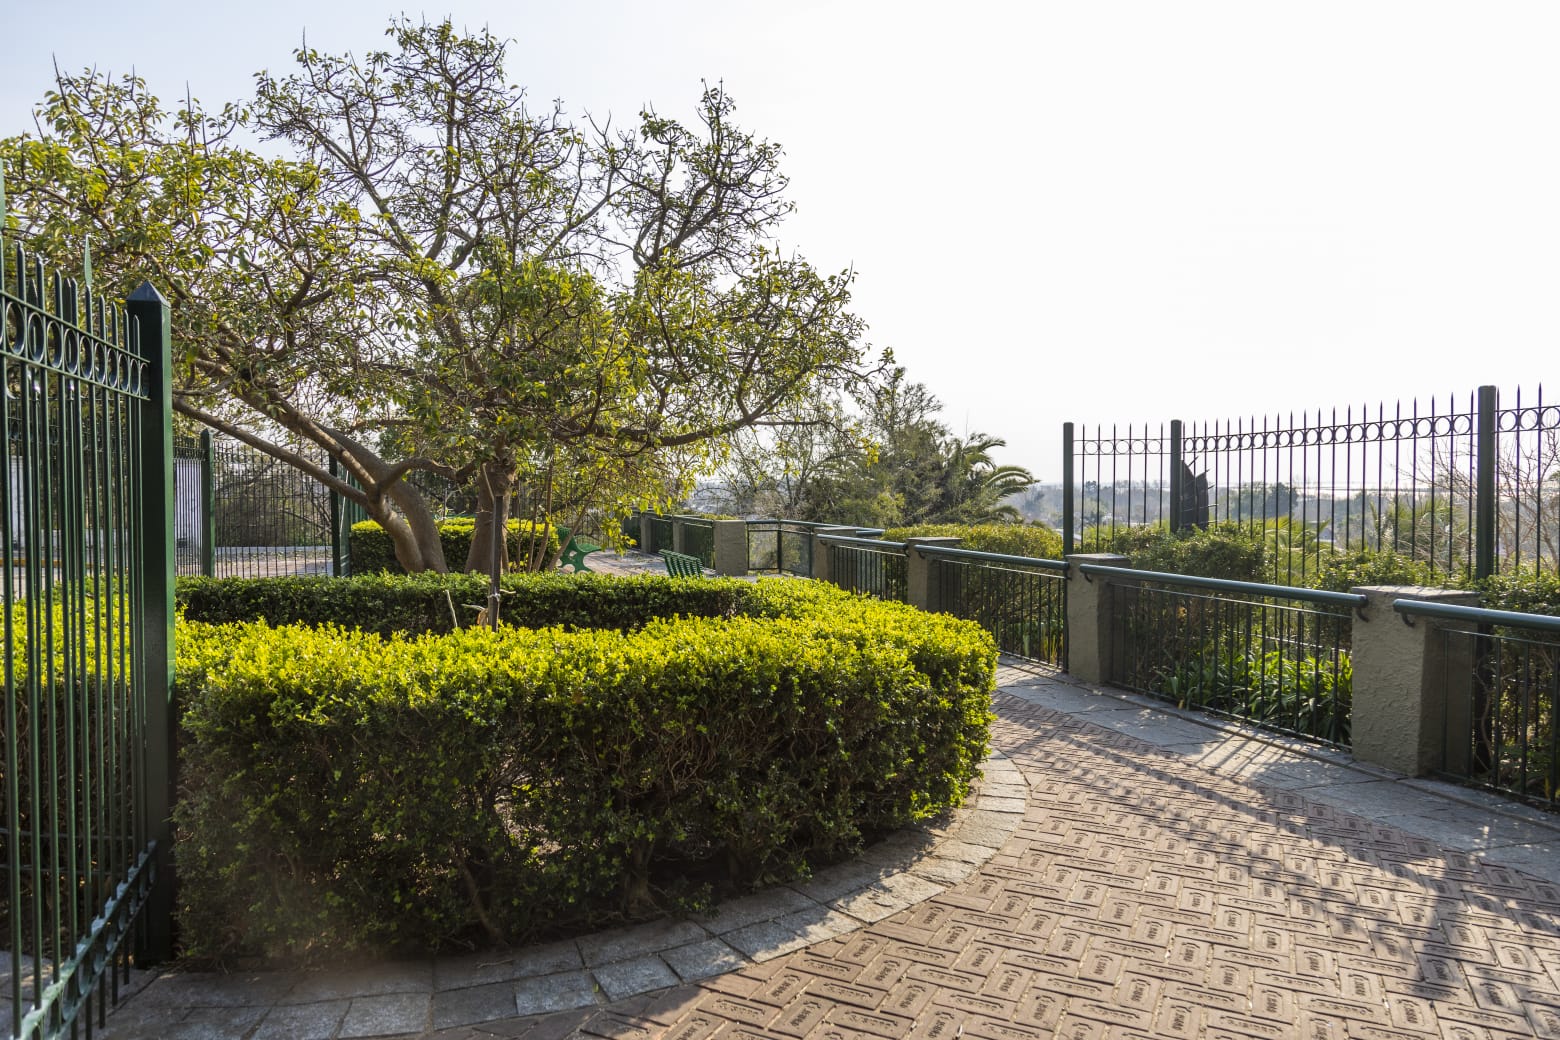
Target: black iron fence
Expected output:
[1021,601]
[85,514]
[869,566]
[1500,707]
[781,546]
[1274,656]
[1466,486]
[699,539]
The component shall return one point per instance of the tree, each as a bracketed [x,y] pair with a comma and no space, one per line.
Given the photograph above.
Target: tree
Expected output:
[441,279]
[886,462]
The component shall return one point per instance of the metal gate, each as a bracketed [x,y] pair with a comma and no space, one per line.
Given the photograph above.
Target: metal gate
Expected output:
[85,514]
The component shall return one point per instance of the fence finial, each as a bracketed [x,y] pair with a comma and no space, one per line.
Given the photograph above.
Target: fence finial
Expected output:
[2,197]
[86,263]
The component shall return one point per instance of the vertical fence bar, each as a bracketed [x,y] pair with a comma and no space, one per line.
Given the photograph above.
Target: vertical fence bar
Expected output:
[1484,501]
[1177,482]
[1068,533]
[208,503]
[337,542]
[149,310]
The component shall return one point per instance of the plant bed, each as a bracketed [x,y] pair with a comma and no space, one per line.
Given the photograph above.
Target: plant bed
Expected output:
[414,791]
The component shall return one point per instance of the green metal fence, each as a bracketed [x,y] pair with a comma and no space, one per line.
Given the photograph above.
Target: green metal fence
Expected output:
[1464,485]
[1275,656]
[85,513]
[241,513]
[1020,600]
[869,566]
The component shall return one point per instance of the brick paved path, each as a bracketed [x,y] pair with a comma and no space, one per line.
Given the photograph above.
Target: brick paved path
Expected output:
[1142,895]
[1140,898]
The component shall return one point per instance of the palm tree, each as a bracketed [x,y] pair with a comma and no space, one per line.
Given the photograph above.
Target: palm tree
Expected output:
[973,486]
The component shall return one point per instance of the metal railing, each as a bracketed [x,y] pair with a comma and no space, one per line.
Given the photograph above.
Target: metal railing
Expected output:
[781,546]
[1020,600]
[1271,655]
[240,513]
[1501,702]
[867,565]
[662,534]
[699,539]
[1465,487]
[87,525]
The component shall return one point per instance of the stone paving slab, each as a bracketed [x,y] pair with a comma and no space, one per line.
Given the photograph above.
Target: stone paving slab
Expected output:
[1180,879]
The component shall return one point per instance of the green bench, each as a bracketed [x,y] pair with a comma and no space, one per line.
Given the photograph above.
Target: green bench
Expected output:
[574,553]
[681,565]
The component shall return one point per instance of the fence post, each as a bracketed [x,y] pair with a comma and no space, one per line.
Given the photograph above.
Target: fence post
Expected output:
[1068,534]
[337,548]
[820,551]
[1484,501]
[149,309]
[208,503]
[1412,686]
[647,534]
[1177,482]
[1090,624]
[731,548]
[920,578]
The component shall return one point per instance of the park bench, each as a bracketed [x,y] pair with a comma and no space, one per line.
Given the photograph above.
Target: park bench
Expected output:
[681,565]
[574,553]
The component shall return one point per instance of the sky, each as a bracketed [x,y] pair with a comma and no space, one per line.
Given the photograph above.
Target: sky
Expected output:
[1101,212]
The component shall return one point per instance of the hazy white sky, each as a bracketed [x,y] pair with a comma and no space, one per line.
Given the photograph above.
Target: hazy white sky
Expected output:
[1090,211]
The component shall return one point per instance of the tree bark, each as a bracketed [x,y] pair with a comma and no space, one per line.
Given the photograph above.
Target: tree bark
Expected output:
[493,486]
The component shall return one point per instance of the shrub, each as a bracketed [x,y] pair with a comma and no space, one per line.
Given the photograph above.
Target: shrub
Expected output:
[420,603]
[1524,591]
[344,790]
[373,552]
[1007,539]
[1218,551]
[1342,571]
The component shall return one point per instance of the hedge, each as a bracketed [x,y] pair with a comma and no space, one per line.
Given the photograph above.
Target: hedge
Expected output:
[1008,539]
[342,790]
[414,604]
[373,552]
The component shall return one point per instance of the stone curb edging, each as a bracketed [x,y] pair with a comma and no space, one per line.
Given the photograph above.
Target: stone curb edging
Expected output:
[910,866]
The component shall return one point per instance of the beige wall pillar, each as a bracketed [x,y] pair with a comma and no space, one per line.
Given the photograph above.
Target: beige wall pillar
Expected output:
[920,583]
[1089,621]
[731,548]
[1410,681]
[820,551]
[679,535]
[647,535]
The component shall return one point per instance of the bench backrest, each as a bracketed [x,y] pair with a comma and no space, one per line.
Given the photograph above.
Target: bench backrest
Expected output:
[681,565]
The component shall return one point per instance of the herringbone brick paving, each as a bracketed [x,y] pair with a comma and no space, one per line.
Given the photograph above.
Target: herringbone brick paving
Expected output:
[1143,898]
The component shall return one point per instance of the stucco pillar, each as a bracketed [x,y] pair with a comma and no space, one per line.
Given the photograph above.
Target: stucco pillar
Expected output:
[820,550]
[731,548]
[920,583]
[679,535]
[1089,621]
[1410,681]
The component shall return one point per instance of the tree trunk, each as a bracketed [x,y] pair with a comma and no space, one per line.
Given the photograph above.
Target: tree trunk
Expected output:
[401,510]
[493,485]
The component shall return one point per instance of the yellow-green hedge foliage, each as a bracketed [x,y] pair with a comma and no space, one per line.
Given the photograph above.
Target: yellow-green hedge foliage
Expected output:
[343,790]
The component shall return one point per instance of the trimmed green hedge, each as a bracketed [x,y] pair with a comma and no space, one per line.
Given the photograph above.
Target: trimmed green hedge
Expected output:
[343,790]
[420,603]
[1008,539]
[373,552]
